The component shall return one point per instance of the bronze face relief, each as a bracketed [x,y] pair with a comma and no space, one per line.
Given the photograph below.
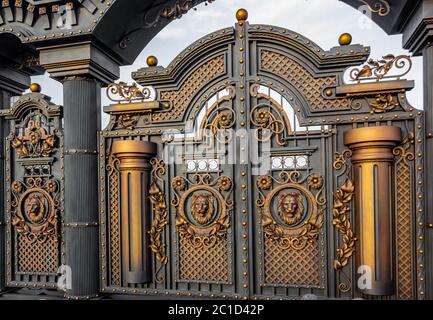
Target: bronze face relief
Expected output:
[290,207]
[202,208]
[35,208]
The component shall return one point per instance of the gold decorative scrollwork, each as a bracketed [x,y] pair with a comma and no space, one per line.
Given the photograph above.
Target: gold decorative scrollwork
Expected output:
[402,150]
[341,212]
[381,7]
[291,226]
[203,213]
[35,207]
[219,119]
[35,141]
[383,103]
[341,216]
[179,8]
[127,121]
[128,93]
[379,69]
[160,217]
[269,118]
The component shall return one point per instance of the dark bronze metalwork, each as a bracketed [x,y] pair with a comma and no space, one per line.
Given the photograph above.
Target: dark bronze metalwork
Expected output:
[277,240]
[35,197]
[266,228]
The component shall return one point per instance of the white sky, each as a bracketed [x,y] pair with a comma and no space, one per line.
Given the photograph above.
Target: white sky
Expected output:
[322,21]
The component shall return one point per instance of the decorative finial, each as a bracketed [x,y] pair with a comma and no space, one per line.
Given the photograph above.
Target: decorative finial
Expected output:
[345,39]
[242,15]
[35,87]
[152,61]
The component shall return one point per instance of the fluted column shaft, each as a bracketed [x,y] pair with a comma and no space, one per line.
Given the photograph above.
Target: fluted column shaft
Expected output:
[82,105]
[135,169]
[373,163]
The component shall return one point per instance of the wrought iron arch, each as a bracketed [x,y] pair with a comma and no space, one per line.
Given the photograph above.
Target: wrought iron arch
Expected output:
[211,207]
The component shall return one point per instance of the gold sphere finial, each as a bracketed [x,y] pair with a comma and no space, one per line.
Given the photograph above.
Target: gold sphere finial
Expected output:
[35,87]
[242,15]
[345,39]
[152,61]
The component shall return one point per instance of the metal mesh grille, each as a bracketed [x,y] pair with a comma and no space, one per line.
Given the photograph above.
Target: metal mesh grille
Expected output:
[37,257]
[310,87]
[291,267]
[203,264]
[404,232]
[181,98]
[114,228]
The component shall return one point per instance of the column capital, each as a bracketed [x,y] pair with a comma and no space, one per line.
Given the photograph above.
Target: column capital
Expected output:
[372,143]
[12,79]
[418,27]
[84,59]
[420,37]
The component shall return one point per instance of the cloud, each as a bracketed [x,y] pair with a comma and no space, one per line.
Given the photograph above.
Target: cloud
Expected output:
[322,21]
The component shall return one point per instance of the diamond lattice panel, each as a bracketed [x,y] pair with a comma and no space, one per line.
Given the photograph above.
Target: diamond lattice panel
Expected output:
[203,264]
[404,232]
[37,257]
[292,267]
[114,228]
[310,87]
[196,80]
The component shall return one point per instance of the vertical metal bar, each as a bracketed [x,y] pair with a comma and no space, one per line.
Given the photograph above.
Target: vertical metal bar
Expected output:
[4,130]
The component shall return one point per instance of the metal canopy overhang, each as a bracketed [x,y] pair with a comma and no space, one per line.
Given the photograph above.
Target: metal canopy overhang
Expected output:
[393,19]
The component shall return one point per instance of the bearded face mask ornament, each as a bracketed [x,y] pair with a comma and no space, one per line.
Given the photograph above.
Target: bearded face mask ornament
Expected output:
[202,208]
[290,207]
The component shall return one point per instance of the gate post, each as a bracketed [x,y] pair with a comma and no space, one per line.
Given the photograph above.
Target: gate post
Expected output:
[81,117]
[12,83]
[373,160]
[92,69]
[4,128]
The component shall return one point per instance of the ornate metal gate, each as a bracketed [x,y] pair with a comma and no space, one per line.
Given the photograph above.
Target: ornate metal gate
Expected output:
[257,172]
[34,192]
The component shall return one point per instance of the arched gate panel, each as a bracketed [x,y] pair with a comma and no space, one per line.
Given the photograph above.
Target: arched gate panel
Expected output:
[250,169]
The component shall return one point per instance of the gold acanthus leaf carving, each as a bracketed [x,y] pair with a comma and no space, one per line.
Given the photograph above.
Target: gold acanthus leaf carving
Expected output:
[35,142]
[160,219]
[341,212]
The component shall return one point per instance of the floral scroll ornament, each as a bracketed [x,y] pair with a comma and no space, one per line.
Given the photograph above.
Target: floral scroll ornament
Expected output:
[127,121]
[269,118]
[35,207]
[160,213]
[35,142]
[383,103]
[127,93]
[289,226]
[341,216]
[380,69]
[381,7]
[341,221]
[203,213]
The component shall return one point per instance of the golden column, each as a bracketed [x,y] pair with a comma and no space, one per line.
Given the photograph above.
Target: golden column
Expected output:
[373,161]
[135,169]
